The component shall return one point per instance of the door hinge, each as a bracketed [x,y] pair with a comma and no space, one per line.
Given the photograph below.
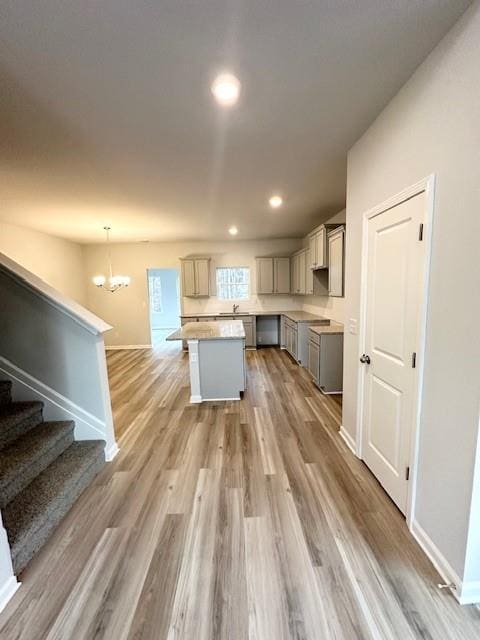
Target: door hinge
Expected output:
[407,473]
[414,360]
[420,232]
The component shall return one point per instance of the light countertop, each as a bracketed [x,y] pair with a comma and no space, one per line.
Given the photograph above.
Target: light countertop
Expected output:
[332,328]
[219,330]
[295,315]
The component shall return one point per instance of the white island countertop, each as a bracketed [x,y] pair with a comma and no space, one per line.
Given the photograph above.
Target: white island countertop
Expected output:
[219,330]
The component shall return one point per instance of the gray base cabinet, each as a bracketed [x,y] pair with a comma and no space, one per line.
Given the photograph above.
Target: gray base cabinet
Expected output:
[325,361]
[248,325]
[295,336]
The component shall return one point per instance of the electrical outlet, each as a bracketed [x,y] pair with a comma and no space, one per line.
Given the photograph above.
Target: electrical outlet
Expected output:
[353,326]
[193,357]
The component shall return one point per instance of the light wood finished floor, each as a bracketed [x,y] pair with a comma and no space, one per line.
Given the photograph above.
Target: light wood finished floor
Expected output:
[231,520]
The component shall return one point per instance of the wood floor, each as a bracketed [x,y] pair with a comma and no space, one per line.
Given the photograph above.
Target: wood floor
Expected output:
[231,520]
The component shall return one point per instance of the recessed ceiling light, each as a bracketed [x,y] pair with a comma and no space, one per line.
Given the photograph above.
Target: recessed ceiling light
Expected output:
[233,231]
[226,89]
[275,202]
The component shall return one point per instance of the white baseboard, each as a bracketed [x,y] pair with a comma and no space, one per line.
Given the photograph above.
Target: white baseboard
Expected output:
[438,560]
[56,406]
[470,593]
[7,590]
[130,347]
[195,399]
[111,452]
[347,438]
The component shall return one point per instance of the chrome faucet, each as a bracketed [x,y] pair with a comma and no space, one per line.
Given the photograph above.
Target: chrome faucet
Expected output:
[235,308]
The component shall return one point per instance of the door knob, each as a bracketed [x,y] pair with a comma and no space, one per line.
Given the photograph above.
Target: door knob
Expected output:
[365,359]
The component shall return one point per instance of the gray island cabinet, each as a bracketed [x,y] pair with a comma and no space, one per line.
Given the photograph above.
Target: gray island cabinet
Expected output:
[216,353]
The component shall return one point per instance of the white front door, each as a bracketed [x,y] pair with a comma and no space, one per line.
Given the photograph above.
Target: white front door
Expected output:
[394,273]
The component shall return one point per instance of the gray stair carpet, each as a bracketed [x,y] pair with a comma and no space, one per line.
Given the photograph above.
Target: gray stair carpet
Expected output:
[5,391]
[34,512]
[24,459]
[43,470]
[16,418]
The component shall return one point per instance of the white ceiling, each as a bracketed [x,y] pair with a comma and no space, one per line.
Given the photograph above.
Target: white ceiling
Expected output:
[106,114]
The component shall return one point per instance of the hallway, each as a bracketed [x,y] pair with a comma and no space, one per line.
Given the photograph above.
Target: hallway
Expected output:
[231,520]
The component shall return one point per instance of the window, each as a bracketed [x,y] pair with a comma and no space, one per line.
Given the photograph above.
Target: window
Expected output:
[233,283]
[156,294]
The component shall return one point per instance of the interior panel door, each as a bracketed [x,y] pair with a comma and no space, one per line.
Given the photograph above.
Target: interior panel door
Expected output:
[394,275]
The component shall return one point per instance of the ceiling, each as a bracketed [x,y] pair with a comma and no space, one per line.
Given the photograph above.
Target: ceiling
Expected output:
[106,115]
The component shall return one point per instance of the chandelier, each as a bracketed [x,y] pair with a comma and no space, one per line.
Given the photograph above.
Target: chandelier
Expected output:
[114,283]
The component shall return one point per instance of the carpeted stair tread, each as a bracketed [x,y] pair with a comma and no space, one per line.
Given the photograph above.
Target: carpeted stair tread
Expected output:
[27,456]
[38,508]
[16,418]
[5,391]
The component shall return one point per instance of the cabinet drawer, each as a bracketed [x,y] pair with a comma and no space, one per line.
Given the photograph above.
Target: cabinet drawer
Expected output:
[314,337]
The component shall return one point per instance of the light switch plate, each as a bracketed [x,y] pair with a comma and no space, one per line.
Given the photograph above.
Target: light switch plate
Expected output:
[353,326]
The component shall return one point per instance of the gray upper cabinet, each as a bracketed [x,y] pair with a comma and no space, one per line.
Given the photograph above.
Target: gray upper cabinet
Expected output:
[318,252]
[320,248]
[196,277]
[273,275]
[336,261]
[188,277]
[202,276]
[309,290]
[264,275]
[299,272]
[281,275]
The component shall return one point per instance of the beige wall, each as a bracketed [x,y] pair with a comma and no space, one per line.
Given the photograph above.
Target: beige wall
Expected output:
[58,262]
[127,310]
[433,127]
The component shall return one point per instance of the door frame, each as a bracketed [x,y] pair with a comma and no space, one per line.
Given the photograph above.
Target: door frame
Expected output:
[179,294]
[427,186]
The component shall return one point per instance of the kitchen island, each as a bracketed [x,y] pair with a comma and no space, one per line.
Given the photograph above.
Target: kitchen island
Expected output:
[216,352]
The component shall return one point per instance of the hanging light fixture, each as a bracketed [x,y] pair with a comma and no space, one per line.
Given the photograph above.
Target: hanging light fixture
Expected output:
[114,283]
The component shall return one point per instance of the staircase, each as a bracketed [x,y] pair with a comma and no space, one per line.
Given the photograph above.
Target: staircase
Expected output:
[43,470]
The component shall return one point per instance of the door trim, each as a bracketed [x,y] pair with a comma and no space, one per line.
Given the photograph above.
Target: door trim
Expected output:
[427,186]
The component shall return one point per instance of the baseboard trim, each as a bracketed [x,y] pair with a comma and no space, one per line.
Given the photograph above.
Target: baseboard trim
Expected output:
[128,347]
[438,560]
[111,452]
[7,590]
[347,438]
[470,593]
[197,399]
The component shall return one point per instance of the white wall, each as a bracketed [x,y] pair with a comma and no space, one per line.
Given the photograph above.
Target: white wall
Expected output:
[433,126]
[58,262]
[333,308]
[127,310]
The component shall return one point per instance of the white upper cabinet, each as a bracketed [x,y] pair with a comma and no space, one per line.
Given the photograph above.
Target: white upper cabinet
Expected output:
[196,277]
[273,275]
[336,261]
